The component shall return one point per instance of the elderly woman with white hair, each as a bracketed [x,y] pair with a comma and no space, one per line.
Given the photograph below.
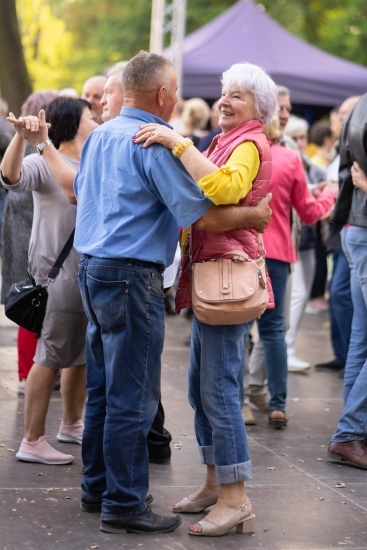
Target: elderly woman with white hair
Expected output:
[236,169]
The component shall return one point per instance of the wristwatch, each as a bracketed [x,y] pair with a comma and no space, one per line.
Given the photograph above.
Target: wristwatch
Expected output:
[40,147]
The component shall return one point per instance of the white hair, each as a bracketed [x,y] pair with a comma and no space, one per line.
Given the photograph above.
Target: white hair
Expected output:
[117,68]
[255,80]
[295,124]
[4,107]
[283,90]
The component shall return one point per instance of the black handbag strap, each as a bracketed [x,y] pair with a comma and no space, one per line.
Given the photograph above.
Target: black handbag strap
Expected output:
[54,271]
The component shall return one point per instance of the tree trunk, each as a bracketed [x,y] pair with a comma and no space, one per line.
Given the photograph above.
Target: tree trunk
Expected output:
[15,84]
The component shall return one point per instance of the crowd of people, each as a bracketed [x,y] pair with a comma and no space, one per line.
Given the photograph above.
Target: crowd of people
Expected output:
[133,170]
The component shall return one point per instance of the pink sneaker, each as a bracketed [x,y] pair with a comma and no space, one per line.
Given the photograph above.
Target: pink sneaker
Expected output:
[71,434]
[42,452]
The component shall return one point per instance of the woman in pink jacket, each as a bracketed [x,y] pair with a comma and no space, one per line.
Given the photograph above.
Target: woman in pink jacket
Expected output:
[289,188]
[237,170]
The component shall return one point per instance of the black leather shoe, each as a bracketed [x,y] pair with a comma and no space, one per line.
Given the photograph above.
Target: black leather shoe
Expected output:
[146,522]
[163,457]
[95,506]
[331,366]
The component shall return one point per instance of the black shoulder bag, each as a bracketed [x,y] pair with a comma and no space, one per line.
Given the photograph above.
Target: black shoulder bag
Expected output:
[25,303]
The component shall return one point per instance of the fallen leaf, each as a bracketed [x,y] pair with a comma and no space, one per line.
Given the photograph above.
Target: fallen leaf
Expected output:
[13,509]
[300,460]
[68,498]
[49,490]
[342,543]
[340,485]
[64,490]
[295,399]
[40,474]
[285,455]
[327,410]
[343,502]
[2,445]
[352,490]
[95,546]
[15,489]
[184,433]
[271,468]
[322,445]
[319,459]
[322,498]
[267,529]
[11,450]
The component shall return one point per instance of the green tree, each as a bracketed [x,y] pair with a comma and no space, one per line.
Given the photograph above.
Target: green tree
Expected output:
[14,79]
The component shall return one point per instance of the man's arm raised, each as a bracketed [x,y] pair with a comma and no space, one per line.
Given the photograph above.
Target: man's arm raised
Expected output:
[35,130]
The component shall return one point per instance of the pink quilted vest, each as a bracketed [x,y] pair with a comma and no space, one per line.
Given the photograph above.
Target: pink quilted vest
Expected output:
[208,244]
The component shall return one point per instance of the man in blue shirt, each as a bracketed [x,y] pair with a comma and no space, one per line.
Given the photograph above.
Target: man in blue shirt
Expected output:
[131,202]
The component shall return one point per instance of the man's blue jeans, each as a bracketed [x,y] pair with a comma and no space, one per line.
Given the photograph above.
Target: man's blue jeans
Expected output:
[216,357]
[272,335]
[124,302]
[340,306]
[353,421]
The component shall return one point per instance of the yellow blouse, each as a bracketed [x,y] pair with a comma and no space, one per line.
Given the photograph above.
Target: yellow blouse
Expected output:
[233,180]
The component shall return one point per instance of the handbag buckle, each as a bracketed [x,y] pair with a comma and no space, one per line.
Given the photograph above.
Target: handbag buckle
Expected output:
[226,290]
[49,280]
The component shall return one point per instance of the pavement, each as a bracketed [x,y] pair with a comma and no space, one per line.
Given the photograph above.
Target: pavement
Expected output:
[301,500]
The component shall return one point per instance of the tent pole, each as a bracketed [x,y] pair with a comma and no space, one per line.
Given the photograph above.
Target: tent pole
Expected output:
[169,18]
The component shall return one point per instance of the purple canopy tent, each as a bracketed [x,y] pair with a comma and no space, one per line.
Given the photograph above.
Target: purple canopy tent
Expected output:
[244,33]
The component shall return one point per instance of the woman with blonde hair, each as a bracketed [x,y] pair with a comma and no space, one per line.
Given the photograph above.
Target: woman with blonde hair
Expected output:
[195,117]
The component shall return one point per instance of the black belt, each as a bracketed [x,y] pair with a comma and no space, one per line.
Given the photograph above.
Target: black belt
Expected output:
[132,261]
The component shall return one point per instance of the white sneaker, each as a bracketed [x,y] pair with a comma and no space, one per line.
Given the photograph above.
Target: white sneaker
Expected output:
[295,364]
[21,386]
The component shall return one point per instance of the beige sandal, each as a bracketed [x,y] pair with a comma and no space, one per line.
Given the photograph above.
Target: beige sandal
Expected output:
[188,506]
[243,520]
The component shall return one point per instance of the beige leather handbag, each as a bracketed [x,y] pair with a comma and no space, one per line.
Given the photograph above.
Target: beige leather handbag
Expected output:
[229,291]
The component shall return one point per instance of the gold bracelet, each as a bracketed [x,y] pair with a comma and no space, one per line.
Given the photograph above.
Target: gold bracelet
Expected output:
[179,148]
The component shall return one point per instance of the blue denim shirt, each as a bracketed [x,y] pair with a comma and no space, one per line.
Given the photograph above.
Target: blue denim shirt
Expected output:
[131,201]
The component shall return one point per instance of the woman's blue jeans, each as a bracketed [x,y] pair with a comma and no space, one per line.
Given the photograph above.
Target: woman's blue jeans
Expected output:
[272,335]
[124,302]
[216,356]
[353,421]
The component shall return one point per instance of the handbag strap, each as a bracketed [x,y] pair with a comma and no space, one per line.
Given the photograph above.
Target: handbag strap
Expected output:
[54,271]
[260,243]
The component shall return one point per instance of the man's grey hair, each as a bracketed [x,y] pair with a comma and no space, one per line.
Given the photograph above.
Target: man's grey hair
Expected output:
[117,68]
[283,90]
[255,80]
[296,124]
[4,107]
[145,72]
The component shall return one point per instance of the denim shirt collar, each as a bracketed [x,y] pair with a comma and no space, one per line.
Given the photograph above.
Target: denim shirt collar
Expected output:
[140,115]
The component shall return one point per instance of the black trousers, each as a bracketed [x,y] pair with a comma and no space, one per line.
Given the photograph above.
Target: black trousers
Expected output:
[159,438]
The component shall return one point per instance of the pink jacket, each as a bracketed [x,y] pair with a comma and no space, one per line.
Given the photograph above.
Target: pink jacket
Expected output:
[289,188]
[207,244]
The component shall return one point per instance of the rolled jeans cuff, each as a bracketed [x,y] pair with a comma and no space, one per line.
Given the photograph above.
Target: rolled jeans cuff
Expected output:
[234,473]
[207,455]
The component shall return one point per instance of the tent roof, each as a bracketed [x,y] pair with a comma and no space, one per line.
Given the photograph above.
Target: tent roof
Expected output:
[244,33]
